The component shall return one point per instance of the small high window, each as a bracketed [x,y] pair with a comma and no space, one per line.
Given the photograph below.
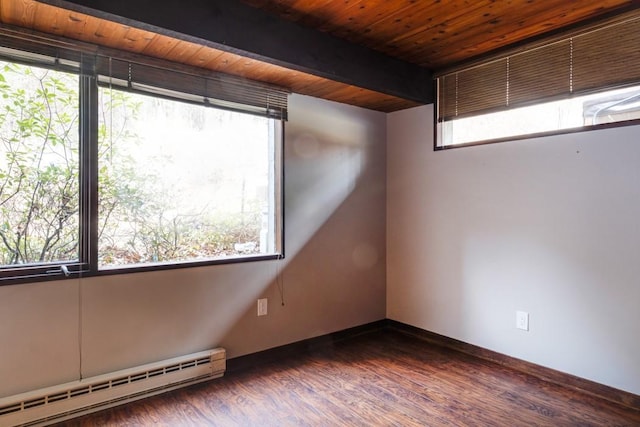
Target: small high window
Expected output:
[575,82]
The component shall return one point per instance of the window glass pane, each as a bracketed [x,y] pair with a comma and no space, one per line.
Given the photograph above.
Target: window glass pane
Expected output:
[609,106]
[182,182]
[39,161]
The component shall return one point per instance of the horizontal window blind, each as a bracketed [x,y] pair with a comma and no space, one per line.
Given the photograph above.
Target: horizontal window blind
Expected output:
[589,60]
[215,89]
[38,51]
[145,74]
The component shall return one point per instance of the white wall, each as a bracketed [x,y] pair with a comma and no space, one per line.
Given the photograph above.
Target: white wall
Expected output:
[548,225]
[333,275]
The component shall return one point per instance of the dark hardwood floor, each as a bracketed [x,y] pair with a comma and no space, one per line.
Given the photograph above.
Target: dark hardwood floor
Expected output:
[381,378]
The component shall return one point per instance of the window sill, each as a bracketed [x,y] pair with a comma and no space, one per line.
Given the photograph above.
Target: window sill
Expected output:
[138,268]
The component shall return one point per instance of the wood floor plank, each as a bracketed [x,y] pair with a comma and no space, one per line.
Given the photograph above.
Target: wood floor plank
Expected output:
[382,378]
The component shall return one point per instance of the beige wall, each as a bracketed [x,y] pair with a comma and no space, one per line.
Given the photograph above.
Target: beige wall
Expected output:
[550,226]
[547,225]
[333,275]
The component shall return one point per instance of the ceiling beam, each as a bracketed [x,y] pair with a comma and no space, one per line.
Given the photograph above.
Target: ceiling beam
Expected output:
[235,27]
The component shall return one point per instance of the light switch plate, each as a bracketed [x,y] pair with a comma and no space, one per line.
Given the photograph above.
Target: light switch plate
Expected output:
[522,320]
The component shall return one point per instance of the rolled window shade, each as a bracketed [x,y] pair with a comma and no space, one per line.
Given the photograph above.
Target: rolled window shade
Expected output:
[591,59]
[216,89]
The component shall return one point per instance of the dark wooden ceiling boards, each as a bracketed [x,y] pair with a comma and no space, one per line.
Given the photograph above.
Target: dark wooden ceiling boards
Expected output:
[439,33]
[47,19]
[429,33]
[235,27]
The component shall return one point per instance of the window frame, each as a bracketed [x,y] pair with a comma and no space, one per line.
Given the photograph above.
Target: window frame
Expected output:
[578,129]
[83,64]
[571,52]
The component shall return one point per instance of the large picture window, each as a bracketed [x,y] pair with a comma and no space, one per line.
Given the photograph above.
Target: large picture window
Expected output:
[109,165]
[182,182]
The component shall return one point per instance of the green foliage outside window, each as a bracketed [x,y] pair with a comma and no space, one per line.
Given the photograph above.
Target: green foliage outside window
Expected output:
[40,186]
[38,165]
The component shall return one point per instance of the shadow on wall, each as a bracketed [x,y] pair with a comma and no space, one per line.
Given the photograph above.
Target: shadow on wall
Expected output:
[335,171]
[331,151]
[334,229]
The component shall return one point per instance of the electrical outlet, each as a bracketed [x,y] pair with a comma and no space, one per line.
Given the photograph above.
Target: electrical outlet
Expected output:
[262,307]
[522,320]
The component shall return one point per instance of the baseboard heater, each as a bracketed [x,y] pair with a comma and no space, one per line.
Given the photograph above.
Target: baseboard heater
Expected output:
[65,401]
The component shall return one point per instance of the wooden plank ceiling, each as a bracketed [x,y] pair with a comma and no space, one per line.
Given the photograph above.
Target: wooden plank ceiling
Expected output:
[439,33]
[430,33]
